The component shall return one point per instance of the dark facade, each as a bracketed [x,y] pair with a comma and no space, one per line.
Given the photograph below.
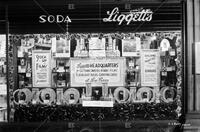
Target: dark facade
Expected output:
[86,16]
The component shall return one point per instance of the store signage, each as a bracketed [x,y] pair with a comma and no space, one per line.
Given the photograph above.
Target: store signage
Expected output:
[128,17]
[54,19]
[97,71]
[41,64]
[150,72]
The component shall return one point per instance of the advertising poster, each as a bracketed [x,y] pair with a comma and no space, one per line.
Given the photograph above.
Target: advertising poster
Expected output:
[131,47]
[41,64]
[61,47]
[150,71]
[97,71]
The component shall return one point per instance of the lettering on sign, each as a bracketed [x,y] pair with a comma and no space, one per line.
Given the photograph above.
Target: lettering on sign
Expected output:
[97,71]
[41,62]
[54,19]
[150,64]
[128,17]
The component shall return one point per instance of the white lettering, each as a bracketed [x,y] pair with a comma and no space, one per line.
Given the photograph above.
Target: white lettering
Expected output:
[67,19]
[51,20]
[54,19]
[128,17]
[59,18]
[42,19]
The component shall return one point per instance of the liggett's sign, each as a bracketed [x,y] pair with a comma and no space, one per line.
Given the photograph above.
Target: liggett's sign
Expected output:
[128,17]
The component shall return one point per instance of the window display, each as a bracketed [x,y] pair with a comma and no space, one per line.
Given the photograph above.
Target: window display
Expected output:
[3,84]
[126,76]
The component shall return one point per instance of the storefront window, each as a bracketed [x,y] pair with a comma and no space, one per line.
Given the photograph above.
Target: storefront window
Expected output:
[3,86]
[107,76]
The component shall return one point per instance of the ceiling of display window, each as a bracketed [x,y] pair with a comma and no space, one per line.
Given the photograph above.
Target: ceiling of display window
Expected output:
[45,16]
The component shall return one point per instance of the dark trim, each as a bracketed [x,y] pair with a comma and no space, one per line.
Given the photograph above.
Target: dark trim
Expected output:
[7,70]
[184,56]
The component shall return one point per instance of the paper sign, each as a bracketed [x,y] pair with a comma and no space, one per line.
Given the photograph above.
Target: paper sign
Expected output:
[96,71]
[150,68]
[97,103]
[41,64]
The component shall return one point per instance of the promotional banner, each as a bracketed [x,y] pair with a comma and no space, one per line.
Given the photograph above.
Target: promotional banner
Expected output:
[41,65]
[97,71]
[150,68]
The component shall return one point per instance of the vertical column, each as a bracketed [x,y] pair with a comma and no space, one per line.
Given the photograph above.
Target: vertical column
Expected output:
[189,34]
[197,39]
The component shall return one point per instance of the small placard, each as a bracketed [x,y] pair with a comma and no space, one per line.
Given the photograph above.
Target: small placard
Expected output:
[3,89]
[28,74]
[169,68]
[46,101]
[164,73]
[34,101]
[172,52]
[97,103]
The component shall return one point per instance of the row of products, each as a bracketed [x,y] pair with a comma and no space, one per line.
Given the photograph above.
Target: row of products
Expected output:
[98,46]
[73,96]
[61,71]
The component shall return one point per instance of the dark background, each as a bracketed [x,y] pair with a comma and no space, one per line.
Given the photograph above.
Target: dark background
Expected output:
[23,15]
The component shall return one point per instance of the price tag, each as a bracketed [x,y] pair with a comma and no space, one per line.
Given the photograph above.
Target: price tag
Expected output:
[28,74]
[169,68]
[21,101]
[131,64]
[71,101]
[164,73]
[34,102]
[46,101]
[172,52]
[21,69]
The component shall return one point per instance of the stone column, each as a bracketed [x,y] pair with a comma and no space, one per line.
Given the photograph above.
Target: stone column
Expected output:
[192,27]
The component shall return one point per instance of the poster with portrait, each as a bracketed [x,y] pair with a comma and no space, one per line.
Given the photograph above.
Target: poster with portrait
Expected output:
[131,47]
[150,67]
[41,65]
[61,48]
